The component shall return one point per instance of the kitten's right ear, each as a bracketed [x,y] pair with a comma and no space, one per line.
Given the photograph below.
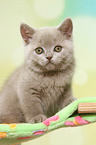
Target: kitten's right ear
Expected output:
[26,32]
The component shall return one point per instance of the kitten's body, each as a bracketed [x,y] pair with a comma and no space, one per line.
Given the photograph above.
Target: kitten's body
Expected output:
[40,88]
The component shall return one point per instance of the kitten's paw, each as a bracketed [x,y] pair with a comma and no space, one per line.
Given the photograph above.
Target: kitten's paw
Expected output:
[37,119]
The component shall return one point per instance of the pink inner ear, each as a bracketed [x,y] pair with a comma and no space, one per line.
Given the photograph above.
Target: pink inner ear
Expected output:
[69,32]
[25,34]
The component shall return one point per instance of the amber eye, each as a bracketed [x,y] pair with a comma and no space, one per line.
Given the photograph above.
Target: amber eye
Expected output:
[39,50]
[57,48]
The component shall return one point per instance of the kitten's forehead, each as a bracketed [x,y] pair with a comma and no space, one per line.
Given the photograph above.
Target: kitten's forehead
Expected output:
[46,37]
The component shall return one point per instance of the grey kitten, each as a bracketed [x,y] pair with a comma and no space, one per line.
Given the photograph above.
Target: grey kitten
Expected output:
[42,85]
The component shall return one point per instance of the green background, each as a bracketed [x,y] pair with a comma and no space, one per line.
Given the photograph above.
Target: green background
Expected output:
[40,13]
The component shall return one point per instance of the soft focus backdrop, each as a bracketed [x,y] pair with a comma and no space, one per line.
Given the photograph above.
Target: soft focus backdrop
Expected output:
[39,13]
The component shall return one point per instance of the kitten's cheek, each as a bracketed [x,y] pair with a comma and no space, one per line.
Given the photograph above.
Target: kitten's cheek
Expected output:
[57,60]
[42,63]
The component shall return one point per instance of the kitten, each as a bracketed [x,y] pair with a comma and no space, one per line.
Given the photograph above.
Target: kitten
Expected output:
[42,85]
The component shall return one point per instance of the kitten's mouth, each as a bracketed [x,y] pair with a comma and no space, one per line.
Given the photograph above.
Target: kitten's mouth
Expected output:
[49,63]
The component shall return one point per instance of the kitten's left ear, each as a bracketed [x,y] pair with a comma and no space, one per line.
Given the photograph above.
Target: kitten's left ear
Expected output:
[66,28]
[26,32]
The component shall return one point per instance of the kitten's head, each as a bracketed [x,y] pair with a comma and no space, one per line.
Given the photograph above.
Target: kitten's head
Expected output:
[49,48]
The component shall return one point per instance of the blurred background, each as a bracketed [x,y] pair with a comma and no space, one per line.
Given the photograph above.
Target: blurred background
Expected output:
[39,13]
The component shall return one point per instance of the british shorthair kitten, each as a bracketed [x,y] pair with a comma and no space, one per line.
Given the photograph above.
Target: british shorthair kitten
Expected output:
[42,85]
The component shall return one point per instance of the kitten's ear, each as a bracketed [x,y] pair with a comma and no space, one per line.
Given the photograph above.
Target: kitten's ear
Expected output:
[26,32]
[66,27]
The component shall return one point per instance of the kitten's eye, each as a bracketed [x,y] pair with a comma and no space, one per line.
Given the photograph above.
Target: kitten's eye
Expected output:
[39,50]
[57,48]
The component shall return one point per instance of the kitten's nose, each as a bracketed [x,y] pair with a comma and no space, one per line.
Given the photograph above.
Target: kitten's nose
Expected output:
[49,57]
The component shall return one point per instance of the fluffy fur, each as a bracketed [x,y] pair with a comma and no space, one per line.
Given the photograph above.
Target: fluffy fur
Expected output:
[40,88]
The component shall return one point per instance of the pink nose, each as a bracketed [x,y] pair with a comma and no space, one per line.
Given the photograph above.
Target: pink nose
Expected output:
[48,57]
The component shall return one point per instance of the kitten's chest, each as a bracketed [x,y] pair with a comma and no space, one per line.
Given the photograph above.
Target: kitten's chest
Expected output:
[52,89]
[51,93]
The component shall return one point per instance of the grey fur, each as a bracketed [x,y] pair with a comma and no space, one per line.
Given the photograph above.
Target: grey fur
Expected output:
[38,89]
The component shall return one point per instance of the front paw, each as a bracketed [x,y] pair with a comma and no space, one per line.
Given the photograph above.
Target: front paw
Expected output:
[38,118]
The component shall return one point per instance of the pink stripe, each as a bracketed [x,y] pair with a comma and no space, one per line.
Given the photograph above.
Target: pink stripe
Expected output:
[27,137]
[38,132]
[53,118]
[69,123]
[80,120]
